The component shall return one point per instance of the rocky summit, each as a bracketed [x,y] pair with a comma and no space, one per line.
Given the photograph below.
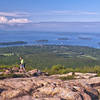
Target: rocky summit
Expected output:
[49,88]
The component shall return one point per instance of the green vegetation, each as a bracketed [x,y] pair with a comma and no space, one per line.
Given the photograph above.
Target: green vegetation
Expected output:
[71,77]
[68,58]
[59,69]
[56,69]
[3,76]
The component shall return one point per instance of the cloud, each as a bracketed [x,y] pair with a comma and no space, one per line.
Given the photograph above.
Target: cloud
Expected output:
[22,20]
[5,20]
[67,12]
[15,14]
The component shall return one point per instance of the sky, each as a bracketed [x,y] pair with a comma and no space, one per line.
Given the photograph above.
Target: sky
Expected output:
[32,14]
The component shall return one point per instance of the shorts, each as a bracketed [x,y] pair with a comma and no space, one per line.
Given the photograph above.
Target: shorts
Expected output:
[22,66]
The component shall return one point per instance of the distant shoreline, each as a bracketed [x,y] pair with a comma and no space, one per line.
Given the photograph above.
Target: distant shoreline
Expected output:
[39,43]
[43,45]
[12,43]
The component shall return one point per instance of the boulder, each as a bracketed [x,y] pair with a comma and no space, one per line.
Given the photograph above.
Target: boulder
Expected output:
[84,75]
[77,75]
[33,72]
[7,71]
[15,69]
[1,73]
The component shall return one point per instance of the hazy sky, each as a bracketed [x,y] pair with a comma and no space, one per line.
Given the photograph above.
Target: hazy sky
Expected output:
[21,12]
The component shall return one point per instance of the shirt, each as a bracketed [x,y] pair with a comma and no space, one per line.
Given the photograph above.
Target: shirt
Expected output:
[22,61]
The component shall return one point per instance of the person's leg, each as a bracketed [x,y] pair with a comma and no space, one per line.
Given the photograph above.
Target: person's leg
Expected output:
[21,68]
[24,68]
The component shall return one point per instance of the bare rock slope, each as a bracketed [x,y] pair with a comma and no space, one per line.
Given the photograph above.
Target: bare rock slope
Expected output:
[49,88]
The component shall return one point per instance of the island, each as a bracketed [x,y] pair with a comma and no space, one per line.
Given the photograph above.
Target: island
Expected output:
[85,38]
[41,40]
[13,43]
[99,43]
[62,38]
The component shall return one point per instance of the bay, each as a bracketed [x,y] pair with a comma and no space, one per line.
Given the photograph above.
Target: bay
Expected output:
[54,38]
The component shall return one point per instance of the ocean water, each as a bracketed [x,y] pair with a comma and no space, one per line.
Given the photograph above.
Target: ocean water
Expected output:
[54,38]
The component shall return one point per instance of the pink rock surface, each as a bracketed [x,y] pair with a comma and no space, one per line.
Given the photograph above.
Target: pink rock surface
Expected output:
[47,88]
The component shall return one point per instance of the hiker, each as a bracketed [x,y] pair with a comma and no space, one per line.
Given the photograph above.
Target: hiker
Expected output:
[22,64]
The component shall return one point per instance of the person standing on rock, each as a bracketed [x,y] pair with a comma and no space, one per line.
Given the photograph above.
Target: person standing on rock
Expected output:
[22,64]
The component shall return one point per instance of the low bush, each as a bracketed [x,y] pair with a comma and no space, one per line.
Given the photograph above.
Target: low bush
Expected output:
[71,77]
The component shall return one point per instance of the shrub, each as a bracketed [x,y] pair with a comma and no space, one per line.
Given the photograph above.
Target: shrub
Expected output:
[67,78]
[57,69]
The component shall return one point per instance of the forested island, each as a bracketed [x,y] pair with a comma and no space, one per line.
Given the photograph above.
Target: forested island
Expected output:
[13,43]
